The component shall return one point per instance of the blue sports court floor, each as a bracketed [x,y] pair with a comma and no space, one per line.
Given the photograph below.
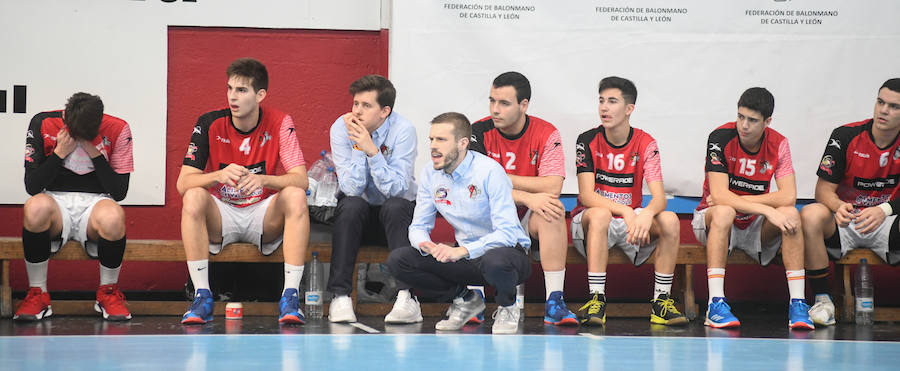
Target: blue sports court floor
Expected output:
[154,343]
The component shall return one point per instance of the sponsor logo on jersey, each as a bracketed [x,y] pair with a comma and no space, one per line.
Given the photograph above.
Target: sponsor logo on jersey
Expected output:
[473,191]
[714,147]
[50,137]
[29,135]
[747,185]
[614,180]
[714,159]
[579,160]
[883,159]
[440,196]
[29,152]
[827,164]
[197,130]
[579,147]
[869,201]
[834,143]
[493,154]
[223,140]
[876,184]
[619,198]
[862,155]
[192,149]
[473,139]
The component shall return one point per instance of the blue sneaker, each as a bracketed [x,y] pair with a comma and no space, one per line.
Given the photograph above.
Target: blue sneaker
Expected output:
[718,315]
[478,318]
[798,316]
[556,312]
[290,307]
[201,310]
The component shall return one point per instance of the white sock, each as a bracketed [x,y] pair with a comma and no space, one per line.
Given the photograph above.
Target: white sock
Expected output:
[796,284]
[37,274]
[479,288]
[662,283]
[109,276]
[292,276]
[554,281]
[199,271]
[716,279]
[597,283]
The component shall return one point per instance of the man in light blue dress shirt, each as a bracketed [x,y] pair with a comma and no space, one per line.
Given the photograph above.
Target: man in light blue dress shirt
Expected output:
[474,195]
[373,149]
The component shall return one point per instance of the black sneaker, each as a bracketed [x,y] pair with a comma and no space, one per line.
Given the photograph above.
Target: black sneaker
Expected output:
[663,312]
[596,311]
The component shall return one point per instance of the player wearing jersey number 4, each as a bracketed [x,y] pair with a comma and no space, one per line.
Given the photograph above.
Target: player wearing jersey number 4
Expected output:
[243,197]
[613,161]
[857,197]
[737,209]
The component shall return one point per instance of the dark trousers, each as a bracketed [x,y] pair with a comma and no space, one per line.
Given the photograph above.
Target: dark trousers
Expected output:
[501,267]
[357,222]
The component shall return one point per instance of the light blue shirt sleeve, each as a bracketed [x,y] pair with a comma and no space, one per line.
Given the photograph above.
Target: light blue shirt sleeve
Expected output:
[423,216]
[350,165]
[507,231]
[392,177]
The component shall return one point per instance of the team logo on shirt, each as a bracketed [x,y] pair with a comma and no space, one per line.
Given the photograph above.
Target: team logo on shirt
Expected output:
[473,191]
[635,158]
[192,148]
[766,166]
[386,151]
[534,156]
[827,164]
[29,152]
[579,155]
[440,196]
[265,137]
[897,153]
[714,159]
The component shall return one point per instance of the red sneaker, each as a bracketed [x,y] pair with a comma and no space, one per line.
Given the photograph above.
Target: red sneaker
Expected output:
[35,306]
[111,302]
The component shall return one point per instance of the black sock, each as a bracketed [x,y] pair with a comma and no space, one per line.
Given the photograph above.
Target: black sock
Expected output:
[36,245]
[111,252]
[818,280]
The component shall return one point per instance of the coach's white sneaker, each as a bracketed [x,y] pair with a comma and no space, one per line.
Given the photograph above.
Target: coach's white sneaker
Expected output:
[822,312]
[506,320]
[341,309]
[406,309]
[460,312]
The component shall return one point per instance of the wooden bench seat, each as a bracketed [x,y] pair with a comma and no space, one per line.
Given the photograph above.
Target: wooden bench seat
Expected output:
[172,250]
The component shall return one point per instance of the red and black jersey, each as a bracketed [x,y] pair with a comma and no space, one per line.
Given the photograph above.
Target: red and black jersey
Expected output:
[749,173]
[216,143]
[536,151]
[76,172]
[619,171]
[865,174]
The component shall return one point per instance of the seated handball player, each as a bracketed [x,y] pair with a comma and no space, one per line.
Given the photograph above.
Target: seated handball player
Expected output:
[856,196]
[232,191]
[737,209]
[77,165]
[530,150]
[612,161]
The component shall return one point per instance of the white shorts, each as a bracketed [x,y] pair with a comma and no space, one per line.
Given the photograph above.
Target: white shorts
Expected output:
[244,224]
[75,208]
[748,240]
[617,236]
[876,240]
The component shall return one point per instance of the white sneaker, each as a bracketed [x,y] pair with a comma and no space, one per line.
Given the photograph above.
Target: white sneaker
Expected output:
[506,320]
[341,309]
[406,309]
[822,312]
[460,311]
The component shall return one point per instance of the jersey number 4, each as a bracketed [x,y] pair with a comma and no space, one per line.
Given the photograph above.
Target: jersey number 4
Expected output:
[245,146]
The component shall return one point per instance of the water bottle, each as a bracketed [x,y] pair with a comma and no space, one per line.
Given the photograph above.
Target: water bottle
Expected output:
[326,157]
[326,191]
[865,294]
[311,191]
[315,287]
[520,301]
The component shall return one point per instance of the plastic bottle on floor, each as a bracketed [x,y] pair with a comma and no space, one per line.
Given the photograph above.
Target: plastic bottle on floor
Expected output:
[315,288]
[865,294]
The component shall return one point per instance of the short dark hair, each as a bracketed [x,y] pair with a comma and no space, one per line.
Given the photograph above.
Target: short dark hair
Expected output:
[83,115]
[892,84]
[629,91]
[384,89]
[461,126]
[252,69]
[518,81]
[759,100]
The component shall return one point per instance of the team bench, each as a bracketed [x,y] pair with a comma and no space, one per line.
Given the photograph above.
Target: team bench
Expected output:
[168,250]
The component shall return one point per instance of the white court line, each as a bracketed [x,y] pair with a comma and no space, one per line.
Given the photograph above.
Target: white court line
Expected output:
[590,335]
[364,328]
